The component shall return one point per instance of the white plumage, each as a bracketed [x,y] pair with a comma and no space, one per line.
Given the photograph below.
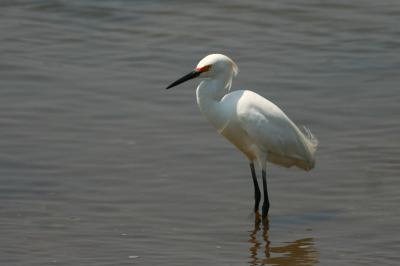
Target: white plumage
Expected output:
[256,126]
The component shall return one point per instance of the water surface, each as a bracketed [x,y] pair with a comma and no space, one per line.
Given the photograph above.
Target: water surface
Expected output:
[99,165]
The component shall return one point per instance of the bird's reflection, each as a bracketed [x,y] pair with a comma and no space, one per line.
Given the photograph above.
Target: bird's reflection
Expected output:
[299,252]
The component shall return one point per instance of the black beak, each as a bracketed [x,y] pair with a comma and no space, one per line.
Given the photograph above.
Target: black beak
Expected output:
[191,75]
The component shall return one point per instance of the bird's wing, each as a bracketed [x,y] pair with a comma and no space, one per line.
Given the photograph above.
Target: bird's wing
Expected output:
[273,132]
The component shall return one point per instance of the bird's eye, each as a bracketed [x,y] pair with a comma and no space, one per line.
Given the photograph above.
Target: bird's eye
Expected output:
[203,69]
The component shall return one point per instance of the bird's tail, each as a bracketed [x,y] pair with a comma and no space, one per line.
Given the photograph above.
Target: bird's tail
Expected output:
[312,144]
[311,138]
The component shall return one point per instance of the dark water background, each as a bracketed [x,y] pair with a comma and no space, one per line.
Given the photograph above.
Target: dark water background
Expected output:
[99,165]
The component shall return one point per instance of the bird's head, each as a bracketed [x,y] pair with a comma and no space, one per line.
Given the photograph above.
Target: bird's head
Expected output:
[211,66]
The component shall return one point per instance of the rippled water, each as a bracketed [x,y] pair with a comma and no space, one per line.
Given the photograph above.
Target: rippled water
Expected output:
[100,165]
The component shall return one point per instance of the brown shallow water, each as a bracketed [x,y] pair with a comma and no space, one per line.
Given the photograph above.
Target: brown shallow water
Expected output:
[99,165]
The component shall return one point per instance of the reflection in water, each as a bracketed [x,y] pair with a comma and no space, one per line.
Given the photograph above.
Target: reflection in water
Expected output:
[299,252]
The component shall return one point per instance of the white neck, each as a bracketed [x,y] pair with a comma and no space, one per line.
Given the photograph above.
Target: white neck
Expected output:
[209,93]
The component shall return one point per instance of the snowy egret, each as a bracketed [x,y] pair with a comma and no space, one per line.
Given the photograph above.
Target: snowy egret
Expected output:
[256,126]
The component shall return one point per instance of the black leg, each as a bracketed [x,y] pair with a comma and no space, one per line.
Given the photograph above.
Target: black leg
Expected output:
[266,200]
[257,193]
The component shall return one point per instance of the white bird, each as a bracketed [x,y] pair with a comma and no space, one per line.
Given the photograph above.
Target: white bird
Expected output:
[256,126]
